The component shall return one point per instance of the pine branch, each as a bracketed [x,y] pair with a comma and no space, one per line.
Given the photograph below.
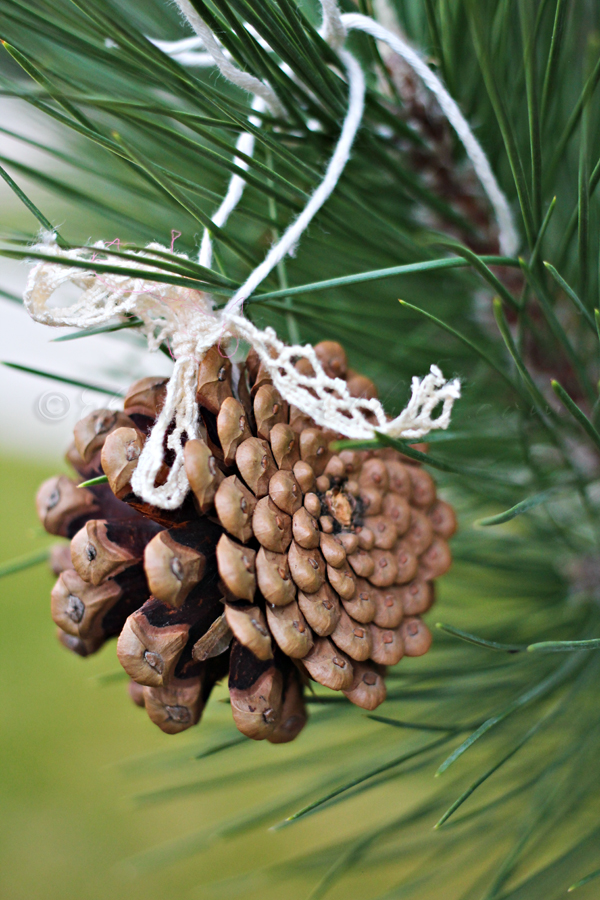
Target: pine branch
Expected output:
[143,144]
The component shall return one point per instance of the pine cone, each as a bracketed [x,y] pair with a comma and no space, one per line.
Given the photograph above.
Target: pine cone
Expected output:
[285,562]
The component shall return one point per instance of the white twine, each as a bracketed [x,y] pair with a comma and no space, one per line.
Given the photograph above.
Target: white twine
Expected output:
[226,67]
[188,51]
[507,236]
[245,144]
[332,28]
[290,237]
[186,318]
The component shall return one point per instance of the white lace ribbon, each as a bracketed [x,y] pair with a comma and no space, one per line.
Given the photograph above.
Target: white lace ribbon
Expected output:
[185,319]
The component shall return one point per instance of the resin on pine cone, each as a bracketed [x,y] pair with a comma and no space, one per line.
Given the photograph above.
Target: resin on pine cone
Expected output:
[286,562]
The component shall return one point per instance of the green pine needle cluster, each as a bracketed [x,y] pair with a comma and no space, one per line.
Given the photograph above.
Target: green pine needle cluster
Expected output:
[505,707]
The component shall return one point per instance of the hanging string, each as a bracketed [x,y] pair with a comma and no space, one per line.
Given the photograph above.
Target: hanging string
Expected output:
[508,237]
[187,320]
[187,52]
[334,29]
[289,239]
[245,144]
[227,68]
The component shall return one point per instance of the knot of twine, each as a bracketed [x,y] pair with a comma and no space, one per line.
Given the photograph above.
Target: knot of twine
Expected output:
[186,320]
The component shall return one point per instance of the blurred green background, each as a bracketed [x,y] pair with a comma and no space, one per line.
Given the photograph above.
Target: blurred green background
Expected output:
[76,757]
[65,820]
[81,767]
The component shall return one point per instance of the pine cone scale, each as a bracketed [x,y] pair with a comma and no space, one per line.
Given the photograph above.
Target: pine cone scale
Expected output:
[286,561]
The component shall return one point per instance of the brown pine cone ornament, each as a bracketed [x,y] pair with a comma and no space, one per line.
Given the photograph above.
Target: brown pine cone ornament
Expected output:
[286,562]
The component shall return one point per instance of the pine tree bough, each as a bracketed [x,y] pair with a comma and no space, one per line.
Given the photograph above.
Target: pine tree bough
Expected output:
[188,321]
[527,78]
[285,561]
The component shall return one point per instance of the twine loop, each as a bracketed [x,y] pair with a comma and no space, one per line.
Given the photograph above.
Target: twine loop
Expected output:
[186,320]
